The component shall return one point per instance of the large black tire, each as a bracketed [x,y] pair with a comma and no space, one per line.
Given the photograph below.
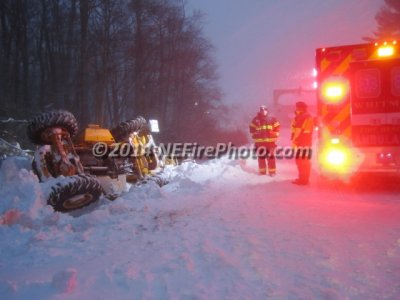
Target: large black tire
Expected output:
[122,131]
[56,118]
[74,192]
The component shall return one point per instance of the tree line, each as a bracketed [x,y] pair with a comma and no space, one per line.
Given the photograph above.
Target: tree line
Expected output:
[108,61]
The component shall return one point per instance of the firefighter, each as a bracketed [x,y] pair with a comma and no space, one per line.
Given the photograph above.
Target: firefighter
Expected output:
[302,128]
[264,130]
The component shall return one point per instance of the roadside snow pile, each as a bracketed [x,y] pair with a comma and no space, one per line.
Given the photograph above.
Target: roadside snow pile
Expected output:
[21,195]
[218,230]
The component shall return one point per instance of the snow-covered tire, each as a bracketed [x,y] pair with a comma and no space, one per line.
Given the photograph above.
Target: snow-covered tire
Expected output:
[56,118]
[122,131]
[74,192]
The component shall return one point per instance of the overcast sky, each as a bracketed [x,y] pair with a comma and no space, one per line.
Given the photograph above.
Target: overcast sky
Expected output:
[261,45]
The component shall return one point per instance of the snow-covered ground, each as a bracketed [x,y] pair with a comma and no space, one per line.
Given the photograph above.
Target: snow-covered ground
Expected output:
[218,230]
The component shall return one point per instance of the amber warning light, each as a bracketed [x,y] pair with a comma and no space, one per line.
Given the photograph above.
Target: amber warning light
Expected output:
[385,51]
[334,90]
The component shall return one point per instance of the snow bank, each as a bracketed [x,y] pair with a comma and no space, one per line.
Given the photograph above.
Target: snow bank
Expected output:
[21,195]
[218,230]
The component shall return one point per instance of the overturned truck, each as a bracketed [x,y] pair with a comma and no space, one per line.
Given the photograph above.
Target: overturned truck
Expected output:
[80,168]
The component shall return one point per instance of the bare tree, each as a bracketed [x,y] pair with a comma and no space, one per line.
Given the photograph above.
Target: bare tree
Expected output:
[107,61]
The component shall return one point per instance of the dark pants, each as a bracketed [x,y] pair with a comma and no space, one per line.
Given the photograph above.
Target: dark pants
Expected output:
[304,168]
[266,158]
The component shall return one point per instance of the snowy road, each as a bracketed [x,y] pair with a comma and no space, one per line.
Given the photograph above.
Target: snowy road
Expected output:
[217,231]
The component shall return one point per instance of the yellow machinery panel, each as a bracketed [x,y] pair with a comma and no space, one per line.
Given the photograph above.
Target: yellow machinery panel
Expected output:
[94,133]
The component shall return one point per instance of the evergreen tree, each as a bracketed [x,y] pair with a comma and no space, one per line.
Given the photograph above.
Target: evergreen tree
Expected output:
[388,19]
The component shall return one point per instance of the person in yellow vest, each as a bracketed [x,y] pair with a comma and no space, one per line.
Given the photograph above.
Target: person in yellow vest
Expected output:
[264,130]
[302,129]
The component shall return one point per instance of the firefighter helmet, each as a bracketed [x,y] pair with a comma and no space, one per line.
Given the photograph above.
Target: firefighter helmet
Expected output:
[301,106]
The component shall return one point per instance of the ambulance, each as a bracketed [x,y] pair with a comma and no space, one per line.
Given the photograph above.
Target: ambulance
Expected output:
[358,108]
